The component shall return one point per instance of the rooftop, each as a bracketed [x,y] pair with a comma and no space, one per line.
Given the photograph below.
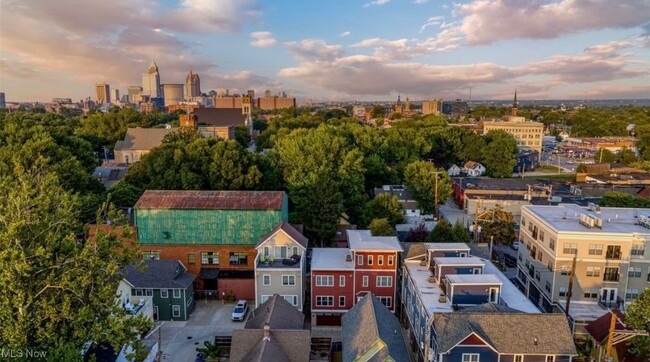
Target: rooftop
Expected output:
[142,138]
[429,293]
[566,218]
[278,313]
[363,240]
[583,312]
[471,260]
[510,294]
[473,279]
[156,274]
[220,116]
[331,259]
[211,200]
[472,183]
[446,246]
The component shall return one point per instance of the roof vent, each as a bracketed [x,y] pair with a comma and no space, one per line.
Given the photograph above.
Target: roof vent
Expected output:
[348,257]
[644,221]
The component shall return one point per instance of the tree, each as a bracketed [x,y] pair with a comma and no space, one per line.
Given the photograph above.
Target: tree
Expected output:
[123,194]
[420,178]
[626,156]
[384,206]
[498,224]
[417,234]
[499,153]
[638,317]
[605,156]
[441,233]
[58,291]
[377,111]
[621,199]
[242,136]
[460,234]
[381,227]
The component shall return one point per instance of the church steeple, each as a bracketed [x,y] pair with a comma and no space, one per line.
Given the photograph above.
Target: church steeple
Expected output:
[514,105]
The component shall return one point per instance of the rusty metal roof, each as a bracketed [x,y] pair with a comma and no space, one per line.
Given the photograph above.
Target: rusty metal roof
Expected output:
[217,200]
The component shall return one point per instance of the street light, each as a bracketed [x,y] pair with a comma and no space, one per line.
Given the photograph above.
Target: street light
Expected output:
[435,216]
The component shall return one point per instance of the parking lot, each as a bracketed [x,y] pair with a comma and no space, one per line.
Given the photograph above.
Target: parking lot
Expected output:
[179,340]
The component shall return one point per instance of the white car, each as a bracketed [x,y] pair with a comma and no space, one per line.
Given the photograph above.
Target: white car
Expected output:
[515,245]
[240,311]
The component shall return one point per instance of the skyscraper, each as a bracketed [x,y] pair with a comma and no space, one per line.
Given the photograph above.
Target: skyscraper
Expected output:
[103,93]
[134,93]
[3,104]
[173,93]
[151,81]
[192,85]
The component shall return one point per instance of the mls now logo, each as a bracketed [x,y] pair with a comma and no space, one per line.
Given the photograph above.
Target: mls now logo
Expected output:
[21,353]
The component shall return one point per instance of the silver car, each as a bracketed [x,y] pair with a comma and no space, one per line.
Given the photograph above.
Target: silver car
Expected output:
[240,311]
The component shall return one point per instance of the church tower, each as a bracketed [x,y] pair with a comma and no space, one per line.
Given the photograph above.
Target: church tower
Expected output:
[398,106]
[407,105]
[247,110]
[514,106]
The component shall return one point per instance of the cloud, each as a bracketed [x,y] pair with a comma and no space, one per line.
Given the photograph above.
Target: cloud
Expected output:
[314,50]
[376,3]
[447,39]
[433,21]
[344,34]
[263,39]
[418,2]
[205,16]
[487,21]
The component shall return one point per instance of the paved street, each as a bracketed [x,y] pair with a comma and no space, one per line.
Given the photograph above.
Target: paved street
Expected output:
[180,339]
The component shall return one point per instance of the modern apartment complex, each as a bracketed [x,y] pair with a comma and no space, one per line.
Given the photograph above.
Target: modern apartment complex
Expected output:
[608,244]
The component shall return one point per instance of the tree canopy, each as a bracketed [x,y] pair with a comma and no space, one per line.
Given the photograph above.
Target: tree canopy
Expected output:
[420,177]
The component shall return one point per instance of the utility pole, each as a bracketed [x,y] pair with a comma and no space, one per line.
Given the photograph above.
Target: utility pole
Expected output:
[601,156]
[571,276]
[435,216]
[610,337]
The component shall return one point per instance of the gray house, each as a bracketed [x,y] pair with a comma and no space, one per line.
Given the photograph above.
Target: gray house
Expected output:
[370,332]
[168,282]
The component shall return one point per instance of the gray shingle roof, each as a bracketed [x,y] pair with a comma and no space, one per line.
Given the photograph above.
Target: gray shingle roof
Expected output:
[510,333]
[278,313]
[370,321]
[159,274]
[142,138]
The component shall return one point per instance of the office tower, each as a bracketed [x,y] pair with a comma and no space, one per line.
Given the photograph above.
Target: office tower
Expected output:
[115,96]
[103,93]
[192,85]
[134,93]
[172,93]
[267,94]
[432,106]
[151,81]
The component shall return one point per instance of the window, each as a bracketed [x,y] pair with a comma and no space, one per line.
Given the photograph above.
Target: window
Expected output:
[365,281]
[548,286]
[324,281]
[138,292]
[550,265]
[265,297]
[239,258]
[564,270]
[294,250]
[523,221]
[570,249]
[324,301]
[341,280]
[551,244]
[164,293]
[280,252]
[611,275]
[369,259]
[539,255]
[359,259]
[293,299]
[541,235]
[470,357]
[631,293]
[595,249]
[341,301]
[267,252]
[593,271]
[390,259]
[385,281]
[591,293]
[550,358]
[634,273]
[177,293]
[613,252]
[149,292]
[290,280]
[533,251]
[151,255]
[380,260]
[209,258]
[638,250]
[387,301]
[191,258]
[519,358]
[266,279]
[563,291]
[176,310]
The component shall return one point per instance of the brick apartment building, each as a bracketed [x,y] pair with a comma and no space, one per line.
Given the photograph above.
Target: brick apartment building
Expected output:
[342,276]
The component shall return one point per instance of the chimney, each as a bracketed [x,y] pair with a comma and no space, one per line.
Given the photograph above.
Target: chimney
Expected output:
[348,257]
[267,332]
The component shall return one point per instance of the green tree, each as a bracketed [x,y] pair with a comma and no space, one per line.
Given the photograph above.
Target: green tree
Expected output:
[499,153]
[58,292]
[417,234]
[384,206]
[377,111]
[460,234]
[442,233]
[123,194]
[622,199]
[242,136]
[381,227]
[420,177]
[638,317]
[606,156]
[497,223]
[627,157]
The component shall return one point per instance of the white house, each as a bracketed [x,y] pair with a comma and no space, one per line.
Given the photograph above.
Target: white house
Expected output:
[473,169]
[454,170]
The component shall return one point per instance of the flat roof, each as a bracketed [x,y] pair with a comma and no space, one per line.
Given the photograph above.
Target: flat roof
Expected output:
[428,292]
[446,246]
[363,240]
[473,278]
[583,312]
[331,259]
[565,217]
[510,294]
[470,260]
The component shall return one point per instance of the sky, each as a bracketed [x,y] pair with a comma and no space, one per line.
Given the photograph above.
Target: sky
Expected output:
[331,50]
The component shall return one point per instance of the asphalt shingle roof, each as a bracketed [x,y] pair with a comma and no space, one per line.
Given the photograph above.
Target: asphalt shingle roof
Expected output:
[215,200]
[278,313]
[142,138]
[159,274]
[366,323]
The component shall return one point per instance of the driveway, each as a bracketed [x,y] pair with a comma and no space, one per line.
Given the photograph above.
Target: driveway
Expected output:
[179,340]
[505,249]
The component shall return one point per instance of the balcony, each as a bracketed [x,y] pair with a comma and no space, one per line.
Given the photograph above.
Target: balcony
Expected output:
[139,305]
[292,262]
[611,303]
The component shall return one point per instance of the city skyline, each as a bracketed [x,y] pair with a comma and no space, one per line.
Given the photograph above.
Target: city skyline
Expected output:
[363,50]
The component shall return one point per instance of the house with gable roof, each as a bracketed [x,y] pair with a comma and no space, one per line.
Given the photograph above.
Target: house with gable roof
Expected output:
[280,265]
[473,169]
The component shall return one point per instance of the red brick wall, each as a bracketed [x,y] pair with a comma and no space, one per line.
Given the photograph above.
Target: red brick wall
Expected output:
[337,290]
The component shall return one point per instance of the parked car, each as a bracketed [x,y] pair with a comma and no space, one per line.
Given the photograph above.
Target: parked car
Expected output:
[515,245]
[240,311]
[509,260]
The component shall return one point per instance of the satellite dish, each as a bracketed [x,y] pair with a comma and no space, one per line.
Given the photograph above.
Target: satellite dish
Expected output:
[630,126]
